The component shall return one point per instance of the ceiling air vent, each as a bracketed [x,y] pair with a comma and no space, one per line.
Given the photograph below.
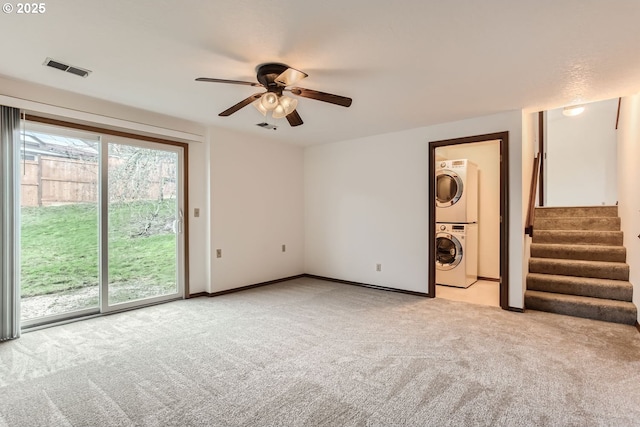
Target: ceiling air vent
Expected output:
[65,67]
[266,125]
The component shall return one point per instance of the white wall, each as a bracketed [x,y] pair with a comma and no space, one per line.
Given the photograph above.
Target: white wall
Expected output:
[628,179]
[199,227]
[486,155]
[256,207]
[581,156]
[530,144]
[366,202]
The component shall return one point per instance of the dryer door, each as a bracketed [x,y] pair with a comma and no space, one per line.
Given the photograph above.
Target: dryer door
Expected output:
[448,188]
[448,251]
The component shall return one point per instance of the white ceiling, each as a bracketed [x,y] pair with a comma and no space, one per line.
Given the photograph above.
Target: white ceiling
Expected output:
[406,64]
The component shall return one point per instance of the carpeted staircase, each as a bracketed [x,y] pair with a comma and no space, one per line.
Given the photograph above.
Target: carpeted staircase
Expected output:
[578,265]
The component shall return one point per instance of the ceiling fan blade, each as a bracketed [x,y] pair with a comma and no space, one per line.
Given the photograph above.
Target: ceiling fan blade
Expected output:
[233,82]
[290,76]
[321,96]
[240,104]
[294,118]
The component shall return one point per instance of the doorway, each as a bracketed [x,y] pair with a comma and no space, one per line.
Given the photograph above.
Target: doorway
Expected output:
[495,235]
[101,222]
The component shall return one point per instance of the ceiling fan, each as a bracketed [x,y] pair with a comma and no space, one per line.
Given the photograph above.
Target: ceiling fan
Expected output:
[277,78]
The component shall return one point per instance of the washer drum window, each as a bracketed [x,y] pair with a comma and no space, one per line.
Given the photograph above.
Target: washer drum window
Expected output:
[448,251]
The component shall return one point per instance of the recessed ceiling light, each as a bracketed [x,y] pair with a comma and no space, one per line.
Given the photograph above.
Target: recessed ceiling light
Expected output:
[573,110]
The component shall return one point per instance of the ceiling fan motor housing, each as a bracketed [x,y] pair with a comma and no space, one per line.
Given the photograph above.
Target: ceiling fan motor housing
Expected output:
[267,74]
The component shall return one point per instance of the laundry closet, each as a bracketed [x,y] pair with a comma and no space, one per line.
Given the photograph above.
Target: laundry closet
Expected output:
[467,218]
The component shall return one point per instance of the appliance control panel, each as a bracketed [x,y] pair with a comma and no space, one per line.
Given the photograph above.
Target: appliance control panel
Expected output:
[453,228]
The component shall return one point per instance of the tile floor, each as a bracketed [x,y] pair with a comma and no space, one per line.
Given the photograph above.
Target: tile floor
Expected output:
[483,292]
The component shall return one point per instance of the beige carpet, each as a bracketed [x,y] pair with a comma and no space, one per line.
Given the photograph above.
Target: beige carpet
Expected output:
[308,352]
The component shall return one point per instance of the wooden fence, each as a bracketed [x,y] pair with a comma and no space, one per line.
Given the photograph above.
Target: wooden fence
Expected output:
[55,181]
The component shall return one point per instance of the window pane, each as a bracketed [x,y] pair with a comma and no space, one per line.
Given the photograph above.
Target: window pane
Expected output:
[59,222]
[143,209]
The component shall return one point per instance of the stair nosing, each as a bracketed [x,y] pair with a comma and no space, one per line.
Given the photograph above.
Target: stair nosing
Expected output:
[572,237]
[580,231]
[577,244]
[588,279]
[583,299]
[611,289]
[581,261]
[584,252]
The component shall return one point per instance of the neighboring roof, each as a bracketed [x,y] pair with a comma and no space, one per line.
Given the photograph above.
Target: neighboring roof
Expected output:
[36,143]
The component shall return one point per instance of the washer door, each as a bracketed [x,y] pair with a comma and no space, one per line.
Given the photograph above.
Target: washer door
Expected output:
[448,251]
[448,188]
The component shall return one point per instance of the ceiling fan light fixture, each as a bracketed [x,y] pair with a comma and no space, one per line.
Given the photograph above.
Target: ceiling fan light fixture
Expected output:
[269,101]
[286,106]
[258,104]
[290,76]
[573,110]
[289,104]
[279,112]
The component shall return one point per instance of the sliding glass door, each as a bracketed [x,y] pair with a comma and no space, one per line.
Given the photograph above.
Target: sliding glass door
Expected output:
[101,223]
[144,223]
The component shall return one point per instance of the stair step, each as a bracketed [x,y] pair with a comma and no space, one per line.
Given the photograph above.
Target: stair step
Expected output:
[578,237]
[580,268]
[579,306]
[578,211]
[582,286]
[577,223]
[584,252]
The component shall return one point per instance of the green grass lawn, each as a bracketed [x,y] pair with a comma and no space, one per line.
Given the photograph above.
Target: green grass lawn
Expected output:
[59,246]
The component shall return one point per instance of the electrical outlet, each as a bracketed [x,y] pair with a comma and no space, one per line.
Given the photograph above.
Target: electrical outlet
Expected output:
[378,267]
[284,248]
[196,212]
[218,253]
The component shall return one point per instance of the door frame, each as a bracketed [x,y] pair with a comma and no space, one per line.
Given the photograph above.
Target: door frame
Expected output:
[503,137]
[33,324]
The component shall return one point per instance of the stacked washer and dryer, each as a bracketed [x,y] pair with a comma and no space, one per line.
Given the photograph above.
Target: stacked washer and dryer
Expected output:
[456,223]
